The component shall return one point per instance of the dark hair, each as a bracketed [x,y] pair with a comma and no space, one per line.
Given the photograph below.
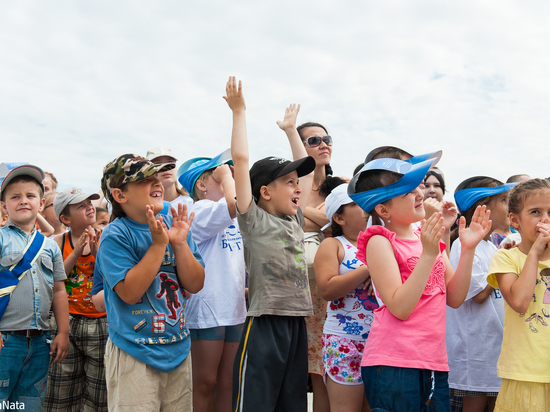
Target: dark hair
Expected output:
[117,210]
[439,176]
[516,178]
[373,179]
[483,181]
[392,153]
[22,179]
[330,184]
[328,169]
[522,191]
[99,210]
[359,167]
[335,228]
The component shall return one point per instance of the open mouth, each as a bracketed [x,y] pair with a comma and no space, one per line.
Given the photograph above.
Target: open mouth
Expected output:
[156,194]
[295,200]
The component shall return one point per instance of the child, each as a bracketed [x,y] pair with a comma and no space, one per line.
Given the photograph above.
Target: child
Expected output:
[340,279]
[216,314]
[524,357]
[145,263]
[477,324]
[49,214]
[79,381]
[50,183]
[404,366]
[270,371]
[102,218]
[25,357]
[3,217]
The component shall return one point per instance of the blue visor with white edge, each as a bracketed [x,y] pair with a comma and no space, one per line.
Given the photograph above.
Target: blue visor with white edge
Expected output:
[466,198]
[413,175]
[189,172]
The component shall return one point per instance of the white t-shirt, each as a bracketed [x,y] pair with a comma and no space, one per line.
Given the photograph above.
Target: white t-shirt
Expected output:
[221,301]
[474,331]
[185,200]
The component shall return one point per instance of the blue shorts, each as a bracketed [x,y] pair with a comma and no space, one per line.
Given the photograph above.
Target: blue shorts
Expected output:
[406,389]
[225,333]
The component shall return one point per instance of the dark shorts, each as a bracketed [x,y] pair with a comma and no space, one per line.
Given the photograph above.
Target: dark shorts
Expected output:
[406,389]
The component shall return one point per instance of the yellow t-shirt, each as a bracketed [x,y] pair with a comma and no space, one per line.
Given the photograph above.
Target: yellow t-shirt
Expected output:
[525,354]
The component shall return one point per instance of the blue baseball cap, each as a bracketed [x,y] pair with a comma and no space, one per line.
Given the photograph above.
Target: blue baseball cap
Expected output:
[189,172]
[466,198]
[413,174]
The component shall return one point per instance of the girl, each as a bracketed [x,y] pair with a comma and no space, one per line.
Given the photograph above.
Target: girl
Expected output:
[340,278]
[216,314]
[524,357]
[404,365]
[434,185]
[478,323]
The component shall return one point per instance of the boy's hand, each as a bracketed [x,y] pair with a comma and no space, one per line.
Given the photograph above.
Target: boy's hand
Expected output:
[478,229]
[61,345]
[234,95]
[289,121]
[82,242]
[220,172]
[179,231]
[430,235]
[93,241]
[157,228]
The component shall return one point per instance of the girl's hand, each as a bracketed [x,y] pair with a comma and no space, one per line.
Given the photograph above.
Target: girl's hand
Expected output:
[289,121]
[179,231]
[234,95]
[543,239]
[432,230]
[432,206]
[449,213]
[157,228]
[368,286]
[220,172]
[478,229]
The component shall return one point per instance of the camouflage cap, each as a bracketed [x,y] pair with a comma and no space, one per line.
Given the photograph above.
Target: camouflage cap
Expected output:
[129,168]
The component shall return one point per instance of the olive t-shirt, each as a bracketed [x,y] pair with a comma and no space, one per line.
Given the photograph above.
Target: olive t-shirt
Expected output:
[276,262]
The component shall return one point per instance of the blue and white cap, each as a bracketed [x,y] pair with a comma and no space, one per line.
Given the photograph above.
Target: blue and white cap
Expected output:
[189,172]
[466,198]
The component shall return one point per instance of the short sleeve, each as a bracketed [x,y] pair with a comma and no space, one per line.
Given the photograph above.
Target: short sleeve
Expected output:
[478,281]
[365,236]
[115,258]
[250,219]
[210,218]
[97,282]
[503,262]
[58,267]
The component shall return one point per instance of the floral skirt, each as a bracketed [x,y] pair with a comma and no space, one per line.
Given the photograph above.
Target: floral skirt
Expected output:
[342,359]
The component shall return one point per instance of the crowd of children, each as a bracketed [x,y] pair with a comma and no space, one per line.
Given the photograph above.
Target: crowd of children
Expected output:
[389,302]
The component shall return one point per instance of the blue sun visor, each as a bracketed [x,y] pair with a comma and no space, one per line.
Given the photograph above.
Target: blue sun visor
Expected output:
[189,172]
[466,198]
[413,175]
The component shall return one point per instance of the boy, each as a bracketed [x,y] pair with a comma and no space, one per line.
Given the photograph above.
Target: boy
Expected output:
[270,370]
[145,262]
[26,353]
[78,383]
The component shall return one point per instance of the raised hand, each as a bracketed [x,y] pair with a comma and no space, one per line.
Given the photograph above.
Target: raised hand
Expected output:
[220,172]
[234,95]
[94,243]
[181,223]
[449,213]
[157,228]
[543,238]
[291,114]
[478,229]
[82,242]
[430,235]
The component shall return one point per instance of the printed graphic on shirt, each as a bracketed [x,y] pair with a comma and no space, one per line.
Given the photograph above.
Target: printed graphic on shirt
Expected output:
[79,286]
[436,281]
[231,239]
[536,320]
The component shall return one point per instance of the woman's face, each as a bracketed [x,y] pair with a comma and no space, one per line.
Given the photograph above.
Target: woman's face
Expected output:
[433,189]
[321,153]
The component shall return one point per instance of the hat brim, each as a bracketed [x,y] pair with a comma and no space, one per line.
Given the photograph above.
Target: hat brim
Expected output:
[188,175]
[303,166]
[466,198]
[24,170]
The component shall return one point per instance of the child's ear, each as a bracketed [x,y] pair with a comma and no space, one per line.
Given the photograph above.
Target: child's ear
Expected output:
[200,185]
[514,221]
[65,220]
[264,193]
[118,195]
[382,210]
[339,219]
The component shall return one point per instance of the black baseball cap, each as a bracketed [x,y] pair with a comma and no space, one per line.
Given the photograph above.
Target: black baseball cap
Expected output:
[266,170]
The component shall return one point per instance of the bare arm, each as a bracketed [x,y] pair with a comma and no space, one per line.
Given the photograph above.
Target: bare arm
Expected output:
[483,295]
[402,297]
[60,307]
[317,216]
[239,144]
[288,125]
[99,301]
[330,284]
[223,175]
[45,228]
[78,250]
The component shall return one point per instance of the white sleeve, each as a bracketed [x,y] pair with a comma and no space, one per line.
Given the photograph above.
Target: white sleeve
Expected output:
[210,219]
[478,281]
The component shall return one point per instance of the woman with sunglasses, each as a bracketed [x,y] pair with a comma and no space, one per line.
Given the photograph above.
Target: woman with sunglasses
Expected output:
[318,144]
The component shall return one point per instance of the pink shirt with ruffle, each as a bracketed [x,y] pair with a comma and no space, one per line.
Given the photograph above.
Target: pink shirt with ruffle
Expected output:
[419,341]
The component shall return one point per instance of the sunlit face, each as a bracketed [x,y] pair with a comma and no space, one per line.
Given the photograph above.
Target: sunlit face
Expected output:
[433,189]
[169,177]
[321,153]
[408,208]
[536,208]
[81,214]
[499,212]
[101,220]
[22,201]
[285,194]
[142,193]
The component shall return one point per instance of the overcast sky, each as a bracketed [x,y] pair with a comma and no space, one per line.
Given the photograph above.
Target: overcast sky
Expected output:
[83,82]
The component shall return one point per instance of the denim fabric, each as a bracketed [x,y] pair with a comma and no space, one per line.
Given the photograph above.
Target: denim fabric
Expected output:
[404,389]
[24,370]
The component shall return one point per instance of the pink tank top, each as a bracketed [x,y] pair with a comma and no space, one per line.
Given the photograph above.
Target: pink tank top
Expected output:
[419,341]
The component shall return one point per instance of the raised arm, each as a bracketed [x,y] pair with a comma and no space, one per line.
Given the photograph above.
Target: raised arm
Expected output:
[239,144]
[288,125]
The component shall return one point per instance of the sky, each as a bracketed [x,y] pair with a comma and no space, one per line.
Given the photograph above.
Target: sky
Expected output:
[84,82]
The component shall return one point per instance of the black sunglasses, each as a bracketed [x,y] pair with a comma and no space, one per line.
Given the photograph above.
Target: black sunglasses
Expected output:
[315,141]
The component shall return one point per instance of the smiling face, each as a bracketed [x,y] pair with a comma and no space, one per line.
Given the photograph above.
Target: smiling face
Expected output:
[536,208]
[321,153]
[80,215]
[283,195]
[433,189]
[22,200]
[138,195]
[408,208]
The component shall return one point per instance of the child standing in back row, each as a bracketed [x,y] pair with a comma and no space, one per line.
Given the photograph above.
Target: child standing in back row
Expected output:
[404,365]
[146,261]
[521,273]
[270,372]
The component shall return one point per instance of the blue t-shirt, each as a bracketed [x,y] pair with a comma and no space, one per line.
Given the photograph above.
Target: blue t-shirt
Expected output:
[153,330]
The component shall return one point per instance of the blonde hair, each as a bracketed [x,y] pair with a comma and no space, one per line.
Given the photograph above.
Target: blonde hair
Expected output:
[197,193]
[53,179]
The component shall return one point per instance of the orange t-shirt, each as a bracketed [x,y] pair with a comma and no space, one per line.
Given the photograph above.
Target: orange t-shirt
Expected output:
[79,281]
